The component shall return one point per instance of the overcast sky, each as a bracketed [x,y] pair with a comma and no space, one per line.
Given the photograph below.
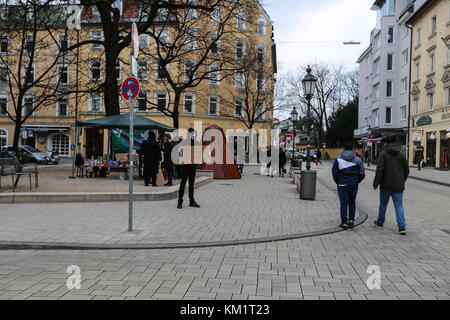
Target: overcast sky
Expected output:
[323,24]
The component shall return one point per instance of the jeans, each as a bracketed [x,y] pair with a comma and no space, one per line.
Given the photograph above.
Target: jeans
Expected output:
[419,165]
[169,170]
[347,197]
[397,198]
[241,168]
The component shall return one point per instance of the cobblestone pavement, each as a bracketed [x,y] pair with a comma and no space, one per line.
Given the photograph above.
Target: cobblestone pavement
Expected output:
[414,266]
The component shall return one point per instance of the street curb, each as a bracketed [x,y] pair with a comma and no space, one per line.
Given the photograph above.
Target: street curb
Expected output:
[420,179]
[29,245]
[60,197]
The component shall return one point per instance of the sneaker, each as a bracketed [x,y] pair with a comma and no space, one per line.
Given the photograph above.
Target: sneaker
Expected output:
[343,226]
[194,204]
[402,230]
[377,224]
[350,223]
[180,205]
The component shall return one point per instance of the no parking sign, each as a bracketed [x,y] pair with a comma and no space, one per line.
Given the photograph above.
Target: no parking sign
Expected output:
[130,88]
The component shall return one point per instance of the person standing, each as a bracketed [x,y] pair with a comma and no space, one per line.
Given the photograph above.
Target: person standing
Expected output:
[167,163]
[282,160]
[319,157]
[419,157]
[188,171]
[269,164]
[392,172]
[348,171]
[152,155]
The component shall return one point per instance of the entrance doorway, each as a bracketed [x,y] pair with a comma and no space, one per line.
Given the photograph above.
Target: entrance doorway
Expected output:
[60,144]
[445,146]
[94,143]
[431,150]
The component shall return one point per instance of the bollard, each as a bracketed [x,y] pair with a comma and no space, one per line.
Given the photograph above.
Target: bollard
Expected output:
[308,185]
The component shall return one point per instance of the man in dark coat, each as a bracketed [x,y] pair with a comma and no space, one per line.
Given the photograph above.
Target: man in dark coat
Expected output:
[152,156]
[167,163]
[419,157]
[392,172]
[187,170]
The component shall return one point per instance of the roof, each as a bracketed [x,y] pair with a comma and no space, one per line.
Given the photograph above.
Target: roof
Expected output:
[122,121]
[428,4]
[362,56]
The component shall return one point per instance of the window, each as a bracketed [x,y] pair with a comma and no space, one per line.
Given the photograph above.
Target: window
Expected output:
[260,110]
[28,105]
[161,100]
[214,105]
[142,101]
[95,102]
[63,74]
[30,14]
[241,20]
[96,70]
[214,75]
[390,62]
[405,32]
[215,44]
[375,118]
[388,115]
[3,75]
[405,57]
[28,74]
[161,71]
[404,85]
[143,41]
[262,26]
[142,69]
[3,44]
[403,113]
[260,54]
[118,5]
[240,49]
[4,13]
[416,106]
[29,44]
[417,71]
[3,137]
[239,79]
[191,39]
[377,41]
[375,92]
[418,36]
[62,109]
[3,106]
[118,70]
[96,35]
[189,102]
[60,143]
[215,14]
[260,81]
[189,73]
[376,67]
[162,36]
[63,41]
[390,35]
[389,88]
[430,98]
[448,97]
[238,107]
[448,55]
[192,13]
[433,25]
[432,60]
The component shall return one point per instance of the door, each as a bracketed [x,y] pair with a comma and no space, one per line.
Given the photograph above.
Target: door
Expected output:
[445,146]
[94,143]
[60,144]
[431,152]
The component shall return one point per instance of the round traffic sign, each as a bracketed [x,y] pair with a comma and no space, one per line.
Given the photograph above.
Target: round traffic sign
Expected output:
[369,139]
[130,88]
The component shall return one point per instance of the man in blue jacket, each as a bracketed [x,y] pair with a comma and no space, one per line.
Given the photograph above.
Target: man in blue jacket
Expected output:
[348,171]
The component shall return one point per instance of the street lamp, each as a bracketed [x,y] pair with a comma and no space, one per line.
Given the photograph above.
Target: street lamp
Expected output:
[294,118]
[309,85]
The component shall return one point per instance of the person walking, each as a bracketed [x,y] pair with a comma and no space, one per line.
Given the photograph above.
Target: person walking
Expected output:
[188,171]
[419,157]
[152,155]
[269,165]
[348,171]
[167,163]
[392,172]
[319,157]
[282,162]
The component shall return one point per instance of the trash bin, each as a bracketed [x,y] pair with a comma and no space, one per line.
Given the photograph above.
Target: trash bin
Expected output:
[308,185]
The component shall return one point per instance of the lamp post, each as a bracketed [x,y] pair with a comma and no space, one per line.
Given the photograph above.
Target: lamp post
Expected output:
[294,118]
[309,85]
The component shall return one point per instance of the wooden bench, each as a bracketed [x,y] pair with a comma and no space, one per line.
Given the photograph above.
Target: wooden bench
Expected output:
[12,167]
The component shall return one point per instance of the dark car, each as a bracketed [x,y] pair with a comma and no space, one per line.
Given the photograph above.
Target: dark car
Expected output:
[312,155]
[28,154]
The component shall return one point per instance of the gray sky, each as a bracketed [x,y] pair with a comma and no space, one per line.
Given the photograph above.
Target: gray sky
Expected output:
[323,25]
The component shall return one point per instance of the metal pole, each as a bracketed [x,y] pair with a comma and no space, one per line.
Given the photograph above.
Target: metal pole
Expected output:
[308,164]
[130,171]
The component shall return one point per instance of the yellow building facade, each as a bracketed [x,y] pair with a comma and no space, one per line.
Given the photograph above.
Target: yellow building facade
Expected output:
[430,84]
[52,127]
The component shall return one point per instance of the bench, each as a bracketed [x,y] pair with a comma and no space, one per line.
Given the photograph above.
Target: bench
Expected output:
[12,167]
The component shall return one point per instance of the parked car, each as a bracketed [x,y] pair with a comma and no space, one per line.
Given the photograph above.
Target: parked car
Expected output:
[312,155]
[28,154]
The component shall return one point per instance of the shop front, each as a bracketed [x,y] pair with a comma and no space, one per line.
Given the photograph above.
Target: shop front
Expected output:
[445,146]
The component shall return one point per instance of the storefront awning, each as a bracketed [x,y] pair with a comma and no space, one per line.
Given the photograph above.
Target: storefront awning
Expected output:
[46,127]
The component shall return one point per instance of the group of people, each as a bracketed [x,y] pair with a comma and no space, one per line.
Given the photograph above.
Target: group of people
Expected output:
[391,174]
[154,152]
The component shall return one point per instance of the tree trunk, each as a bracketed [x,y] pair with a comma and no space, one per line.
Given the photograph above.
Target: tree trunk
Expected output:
[176,112]
[17,130]
[111,89]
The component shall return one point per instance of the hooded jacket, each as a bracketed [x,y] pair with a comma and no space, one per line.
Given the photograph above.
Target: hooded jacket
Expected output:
[392,169]
[348,169]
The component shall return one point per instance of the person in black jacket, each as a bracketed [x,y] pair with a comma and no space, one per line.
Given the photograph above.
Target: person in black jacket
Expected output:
[282,160]
[168,164]
[152,155]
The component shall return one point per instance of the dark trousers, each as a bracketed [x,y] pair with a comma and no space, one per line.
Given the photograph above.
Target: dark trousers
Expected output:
[148,176]
[169,170]
[347,197]
[187,171]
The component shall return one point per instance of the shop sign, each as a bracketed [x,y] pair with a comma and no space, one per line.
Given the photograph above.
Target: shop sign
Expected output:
[423,121]
[416,137]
